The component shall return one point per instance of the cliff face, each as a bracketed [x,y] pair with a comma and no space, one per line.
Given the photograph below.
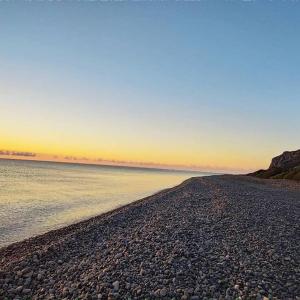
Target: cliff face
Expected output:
[284,166]
[287,160]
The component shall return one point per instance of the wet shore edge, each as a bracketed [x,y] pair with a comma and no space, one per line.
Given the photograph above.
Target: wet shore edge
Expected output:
[17,249]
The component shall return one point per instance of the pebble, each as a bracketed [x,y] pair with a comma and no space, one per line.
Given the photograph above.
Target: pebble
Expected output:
[116,285]
[19,289]
[26,291]
[163,292]
[127,286]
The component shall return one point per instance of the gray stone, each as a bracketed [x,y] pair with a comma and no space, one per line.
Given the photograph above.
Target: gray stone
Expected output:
[116,285]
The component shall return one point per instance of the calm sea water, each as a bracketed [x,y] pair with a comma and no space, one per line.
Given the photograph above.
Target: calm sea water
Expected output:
[36,197]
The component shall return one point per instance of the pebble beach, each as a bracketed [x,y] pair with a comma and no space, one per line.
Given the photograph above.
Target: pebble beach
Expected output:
[215,237]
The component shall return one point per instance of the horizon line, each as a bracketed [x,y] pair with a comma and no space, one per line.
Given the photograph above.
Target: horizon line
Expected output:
[110,165]
[65,158]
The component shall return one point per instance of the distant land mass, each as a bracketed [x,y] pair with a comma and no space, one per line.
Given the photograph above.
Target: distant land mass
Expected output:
[284,166]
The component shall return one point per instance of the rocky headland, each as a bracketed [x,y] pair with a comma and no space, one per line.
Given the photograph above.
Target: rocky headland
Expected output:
[284,166]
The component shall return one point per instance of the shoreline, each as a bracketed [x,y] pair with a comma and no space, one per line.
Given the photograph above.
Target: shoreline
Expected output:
[116,246]
[62,232]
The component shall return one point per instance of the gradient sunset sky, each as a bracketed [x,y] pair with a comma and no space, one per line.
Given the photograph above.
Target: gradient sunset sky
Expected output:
[211,84]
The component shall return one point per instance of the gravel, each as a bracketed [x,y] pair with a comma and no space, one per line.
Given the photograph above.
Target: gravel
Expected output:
[217,237]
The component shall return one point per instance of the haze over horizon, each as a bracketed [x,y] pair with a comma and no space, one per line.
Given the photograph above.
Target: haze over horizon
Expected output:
[208,84]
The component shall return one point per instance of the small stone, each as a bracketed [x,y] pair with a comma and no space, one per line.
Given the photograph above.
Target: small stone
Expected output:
[25,271]
[28,274]
[35,259]
[116,285]
[142,272]
[258,296]
[27,281]
[11,291]
[26,291]
[138,291]
[127,286]
[65,291]
[163,292]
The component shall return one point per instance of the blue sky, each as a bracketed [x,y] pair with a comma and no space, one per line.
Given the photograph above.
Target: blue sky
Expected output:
[206,83]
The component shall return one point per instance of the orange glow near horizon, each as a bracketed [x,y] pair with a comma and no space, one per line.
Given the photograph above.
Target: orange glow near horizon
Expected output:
[53,140]
[226,163]
[166,151]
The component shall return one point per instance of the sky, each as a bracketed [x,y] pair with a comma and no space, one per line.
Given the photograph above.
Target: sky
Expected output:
[207,84]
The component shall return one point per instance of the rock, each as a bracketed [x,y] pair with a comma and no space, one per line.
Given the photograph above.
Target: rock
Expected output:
[284,166]
[127,286]
[25,271]
[65,292]
[116,285]
[35,259]
[119,255]
[27,281]
[286,160]
[138,291]
[142,272]
[19,289]
[29,274]
[163,292]
[26,291]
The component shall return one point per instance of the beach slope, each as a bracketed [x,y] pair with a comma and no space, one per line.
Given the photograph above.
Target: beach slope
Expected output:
[217,237]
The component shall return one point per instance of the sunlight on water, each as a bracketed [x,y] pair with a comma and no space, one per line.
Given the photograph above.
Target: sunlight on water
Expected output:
[36,197]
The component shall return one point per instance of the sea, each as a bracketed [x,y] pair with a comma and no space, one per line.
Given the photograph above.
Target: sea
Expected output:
[36,197]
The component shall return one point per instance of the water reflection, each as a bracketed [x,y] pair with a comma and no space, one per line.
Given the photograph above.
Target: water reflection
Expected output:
[36,197]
